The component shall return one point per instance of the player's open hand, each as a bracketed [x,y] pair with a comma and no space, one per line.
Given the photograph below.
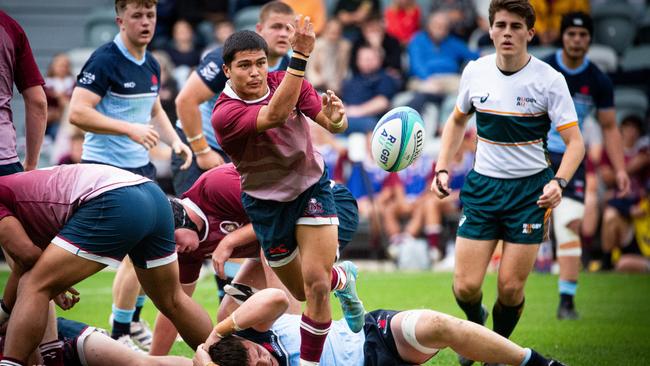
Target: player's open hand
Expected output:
[66,301]
[209,160]
[551,195]
[220,256]
[184,152]
[201,357]
[302,37]
[144,135]
[440,184]
[333,108]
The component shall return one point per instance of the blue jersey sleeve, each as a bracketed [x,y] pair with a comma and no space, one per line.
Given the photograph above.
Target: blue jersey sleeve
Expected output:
[604,97]
[210,71]
[95,75]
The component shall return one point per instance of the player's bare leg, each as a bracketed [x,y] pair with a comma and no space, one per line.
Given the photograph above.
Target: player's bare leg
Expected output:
[54,272]
[164,331]
[126,289]
[100,350]
[162,286]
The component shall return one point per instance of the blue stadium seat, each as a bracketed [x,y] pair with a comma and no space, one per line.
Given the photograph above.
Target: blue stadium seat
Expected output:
[630,101]
[614,25]
[100,27]
[604,57]
[247,17]
[541,51]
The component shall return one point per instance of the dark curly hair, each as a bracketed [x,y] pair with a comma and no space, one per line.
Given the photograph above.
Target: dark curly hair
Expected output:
[230,351]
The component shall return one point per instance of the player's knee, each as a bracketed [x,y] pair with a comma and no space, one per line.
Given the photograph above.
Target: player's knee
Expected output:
[437,325]
[464,289]
[609,216]
[510,291]
[278,299]
[317,289]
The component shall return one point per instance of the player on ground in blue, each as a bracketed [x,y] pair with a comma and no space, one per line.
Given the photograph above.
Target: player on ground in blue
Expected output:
[262,332]
[510,192]
[93,216]
[218,228]
[590,88]
[261,122]
[116,100]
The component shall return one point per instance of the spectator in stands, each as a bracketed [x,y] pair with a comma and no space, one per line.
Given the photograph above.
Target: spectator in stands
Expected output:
[352,13]
[402,19]
[314,9]
[617,226]
[548,16]
[435,58]
[182,50]
[59,83]
[330,60]
[220,32]
[76,147]
[20,68]
[635,258]
[368,92]
[373,33]
[461,14]
[168,85]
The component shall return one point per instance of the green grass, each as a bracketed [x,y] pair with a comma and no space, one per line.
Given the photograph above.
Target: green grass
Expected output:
[614,328]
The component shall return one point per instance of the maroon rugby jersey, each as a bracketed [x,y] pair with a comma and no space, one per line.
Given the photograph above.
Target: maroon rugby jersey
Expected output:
[217,195]
[277,164]
[43,200]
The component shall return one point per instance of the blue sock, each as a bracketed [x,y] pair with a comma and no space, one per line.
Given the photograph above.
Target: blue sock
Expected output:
[121,322]
[568,290]
[139,303]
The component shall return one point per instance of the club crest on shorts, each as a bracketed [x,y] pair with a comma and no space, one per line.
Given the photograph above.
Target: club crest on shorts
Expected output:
[313,207]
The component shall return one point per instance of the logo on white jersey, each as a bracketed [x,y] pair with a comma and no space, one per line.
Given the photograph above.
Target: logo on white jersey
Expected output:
[87,78]
[528,228]
[130,85]
[210,71]
[524,101]
[485,98]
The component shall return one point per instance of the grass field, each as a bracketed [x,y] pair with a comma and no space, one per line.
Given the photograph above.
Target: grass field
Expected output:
[614,328]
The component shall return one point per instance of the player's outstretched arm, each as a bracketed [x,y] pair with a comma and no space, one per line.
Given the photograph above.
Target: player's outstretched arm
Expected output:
[452,138]
[238,238]
[84,115]
[35,123]
[332,115]
[194,93]
[286,96]
[259,312]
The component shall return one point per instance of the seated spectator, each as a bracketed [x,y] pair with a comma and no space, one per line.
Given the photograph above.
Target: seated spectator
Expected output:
[367,94]
[436,56]
[329,61]
[636,257]
[314,9]
[182,50]
[402,20]
[76,147]
[59,83]
[461,14]
[352,13]
[617,229]
[548,15]
[220,32]
[374,34]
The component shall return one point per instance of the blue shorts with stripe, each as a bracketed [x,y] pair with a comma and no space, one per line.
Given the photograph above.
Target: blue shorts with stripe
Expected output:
[275,222]
[135,220]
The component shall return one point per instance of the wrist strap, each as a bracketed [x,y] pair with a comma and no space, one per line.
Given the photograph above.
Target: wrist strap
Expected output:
[204,151]
[301,54]
[234,323]
[337,125]
[199,145]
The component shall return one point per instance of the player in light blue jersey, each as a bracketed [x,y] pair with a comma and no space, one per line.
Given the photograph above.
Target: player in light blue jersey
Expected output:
[116,101]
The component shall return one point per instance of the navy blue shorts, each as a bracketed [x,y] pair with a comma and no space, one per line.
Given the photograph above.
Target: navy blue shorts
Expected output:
[135,220]
[275,222]
[73,334]
[347,212]
[11,168]
[379,349]
[147,171]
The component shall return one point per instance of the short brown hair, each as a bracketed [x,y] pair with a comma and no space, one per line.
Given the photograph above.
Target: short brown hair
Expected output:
[230,351]
[274,7]
[519,7]
[120,5]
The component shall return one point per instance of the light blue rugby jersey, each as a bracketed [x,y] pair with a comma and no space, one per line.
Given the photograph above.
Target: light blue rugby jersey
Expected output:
[211,73]
[129,88]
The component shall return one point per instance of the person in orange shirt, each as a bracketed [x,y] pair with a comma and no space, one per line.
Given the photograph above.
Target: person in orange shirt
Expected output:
[314,9]
[549,14]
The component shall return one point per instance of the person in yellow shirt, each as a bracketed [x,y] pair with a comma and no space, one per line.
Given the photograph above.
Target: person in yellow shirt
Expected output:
[549,14]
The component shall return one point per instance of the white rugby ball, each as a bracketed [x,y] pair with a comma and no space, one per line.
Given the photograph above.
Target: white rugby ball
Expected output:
[398,139]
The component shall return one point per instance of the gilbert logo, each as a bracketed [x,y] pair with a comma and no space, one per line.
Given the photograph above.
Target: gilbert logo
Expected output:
[483,99]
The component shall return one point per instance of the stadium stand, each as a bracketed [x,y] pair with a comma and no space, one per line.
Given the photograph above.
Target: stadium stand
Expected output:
[247,18]
[100,27]
[614,25]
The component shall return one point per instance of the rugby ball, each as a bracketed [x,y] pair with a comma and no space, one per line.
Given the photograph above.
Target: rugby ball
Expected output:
[397,139]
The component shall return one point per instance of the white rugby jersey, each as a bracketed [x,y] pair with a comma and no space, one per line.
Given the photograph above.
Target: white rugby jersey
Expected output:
[514,114]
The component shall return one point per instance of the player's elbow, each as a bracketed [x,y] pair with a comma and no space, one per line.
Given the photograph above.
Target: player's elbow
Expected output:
[76,115]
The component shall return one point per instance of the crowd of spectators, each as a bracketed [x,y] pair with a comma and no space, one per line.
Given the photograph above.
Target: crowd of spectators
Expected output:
[373,53]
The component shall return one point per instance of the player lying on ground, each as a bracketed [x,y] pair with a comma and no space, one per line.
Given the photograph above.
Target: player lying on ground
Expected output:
[217,226]
[94,215]
[259,332]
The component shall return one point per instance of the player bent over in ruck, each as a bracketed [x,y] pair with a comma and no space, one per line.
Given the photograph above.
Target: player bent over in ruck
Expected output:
[94,216]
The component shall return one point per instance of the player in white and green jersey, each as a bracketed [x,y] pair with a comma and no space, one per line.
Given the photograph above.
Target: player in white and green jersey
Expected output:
[509,193]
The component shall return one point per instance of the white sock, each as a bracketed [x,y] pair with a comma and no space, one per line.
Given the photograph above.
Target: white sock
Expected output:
[308,363]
